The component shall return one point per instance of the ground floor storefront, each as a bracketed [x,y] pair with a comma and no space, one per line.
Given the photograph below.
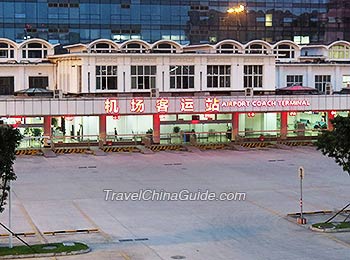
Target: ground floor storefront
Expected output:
[170,120]
[171,128]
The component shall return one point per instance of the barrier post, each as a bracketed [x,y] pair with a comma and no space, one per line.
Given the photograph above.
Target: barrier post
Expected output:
[284,125]
[235,126]
[102,130]
[156,129]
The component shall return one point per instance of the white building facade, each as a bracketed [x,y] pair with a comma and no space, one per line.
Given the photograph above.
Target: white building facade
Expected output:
[106,89]
[136,67]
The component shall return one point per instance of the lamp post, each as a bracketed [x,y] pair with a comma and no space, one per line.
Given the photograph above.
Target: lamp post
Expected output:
[301,220]
[10,214]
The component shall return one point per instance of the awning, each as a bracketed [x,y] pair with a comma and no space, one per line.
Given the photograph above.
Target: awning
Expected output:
[296,90]
[40,92]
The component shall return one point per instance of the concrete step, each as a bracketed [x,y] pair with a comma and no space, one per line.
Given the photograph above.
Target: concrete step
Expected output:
[238,147]
[48,153]
[144,149]
[97,151]
[282,146]
[193,149]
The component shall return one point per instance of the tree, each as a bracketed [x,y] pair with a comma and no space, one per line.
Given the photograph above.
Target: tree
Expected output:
[336,143]
[9,141]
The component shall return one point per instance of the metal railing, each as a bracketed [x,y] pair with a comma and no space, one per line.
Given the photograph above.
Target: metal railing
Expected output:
[165,138]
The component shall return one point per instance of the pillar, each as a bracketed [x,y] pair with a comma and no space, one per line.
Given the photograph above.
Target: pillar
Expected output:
[284,125]
[235,126]
[102,129]
[156,129]
[47,131]
[47,126]
[330,115]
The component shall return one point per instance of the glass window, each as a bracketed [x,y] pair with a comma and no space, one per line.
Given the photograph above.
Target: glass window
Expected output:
[38,82]
[143,77]
[106,77]
[134,48]
[181,77]
[301,39]
[103,48]
[164,48]
[6,51]
[7,85]
[321,81]
[34,51]
[285,51]
[268,20]
[253,76]
[346,81]
[256,49]
[339,52]
[218,76]
[227,48]
[294,80]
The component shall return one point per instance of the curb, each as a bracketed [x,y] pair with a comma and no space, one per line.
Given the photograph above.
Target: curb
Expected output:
[255,144]
[310,213]
[73,231]
[69,150]
[160,147]
[329,230]
[25,234]
[297,143]
[84,251]
[122,149]
[211,146]
[29,152]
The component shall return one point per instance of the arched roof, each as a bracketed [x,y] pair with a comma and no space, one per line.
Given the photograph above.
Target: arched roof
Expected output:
[170,42]
[232,42]
[107,41]
[260,42]
[321,48]
[344,43]
[140,42]
[9,42]
[37,40]
[286,42]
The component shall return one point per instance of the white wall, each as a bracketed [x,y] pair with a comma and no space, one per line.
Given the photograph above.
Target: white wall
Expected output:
[22,72]
[337,71]
[163,61]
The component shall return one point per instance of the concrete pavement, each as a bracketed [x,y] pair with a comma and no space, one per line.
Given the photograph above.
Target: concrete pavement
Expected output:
[66,192]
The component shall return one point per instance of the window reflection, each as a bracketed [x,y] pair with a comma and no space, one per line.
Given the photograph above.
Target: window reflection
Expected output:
[320,21]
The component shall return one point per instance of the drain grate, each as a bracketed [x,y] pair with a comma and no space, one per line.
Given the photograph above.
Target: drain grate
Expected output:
[87,167]
[168,164]
[178,257]
[276,160]
[126,240]
[133,240]
[141,239]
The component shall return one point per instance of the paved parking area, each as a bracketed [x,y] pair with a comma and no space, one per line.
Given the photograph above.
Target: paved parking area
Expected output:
[67,193]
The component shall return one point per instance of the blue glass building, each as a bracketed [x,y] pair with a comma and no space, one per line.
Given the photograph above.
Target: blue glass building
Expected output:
[185,21]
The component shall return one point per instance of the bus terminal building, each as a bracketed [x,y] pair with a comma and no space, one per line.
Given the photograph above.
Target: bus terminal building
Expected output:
[104,91]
